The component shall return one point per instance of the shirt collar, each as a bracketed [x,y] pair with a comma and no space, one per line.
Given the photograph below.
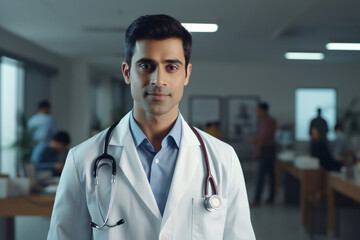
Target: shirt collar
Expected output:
[139,136]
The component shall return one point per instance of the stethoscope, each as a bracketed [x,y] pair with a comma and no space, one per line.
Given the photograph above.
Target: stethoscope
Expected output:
[211,202]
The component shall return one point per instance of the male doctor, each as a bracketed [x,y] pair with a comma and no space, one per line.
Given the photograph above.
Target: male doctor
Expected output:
[160,169]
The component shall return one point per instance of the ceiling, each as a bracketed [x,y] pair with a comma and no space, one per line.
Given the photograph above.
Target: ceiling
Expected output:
[249,30]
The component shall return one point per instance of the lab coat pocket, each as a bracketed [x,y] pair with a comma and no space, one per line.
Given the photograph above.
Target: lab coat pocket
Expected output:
[205,224]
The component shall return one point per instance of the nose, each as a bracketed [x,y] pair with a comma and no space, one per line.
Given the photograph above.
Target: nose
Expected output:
[158,78]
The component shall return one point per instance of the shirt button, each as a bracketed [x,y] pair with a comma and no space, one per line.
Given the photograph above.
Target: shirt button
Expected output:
[157,160]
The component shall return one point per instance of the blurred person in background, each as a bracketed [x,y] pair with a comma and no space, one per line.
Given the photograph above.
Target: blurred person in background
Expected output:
[321,125]
[46,154]
[319,149]
[265,151]
[338,147]
[41,126]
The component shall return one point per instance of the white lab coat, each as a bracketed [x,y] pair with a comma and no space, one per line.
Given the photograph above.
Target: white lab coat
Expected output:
[185,216]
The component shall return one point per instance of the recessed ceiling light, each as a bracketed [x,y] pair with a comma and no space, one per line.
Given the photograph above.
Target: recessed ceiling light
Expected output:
[304,56]
[200,27]
[343,46]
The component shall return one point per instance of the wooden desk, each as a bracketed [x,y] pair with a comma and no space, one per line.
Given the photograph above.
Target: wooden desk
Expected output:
[34,205]
[346,187]
[312,181]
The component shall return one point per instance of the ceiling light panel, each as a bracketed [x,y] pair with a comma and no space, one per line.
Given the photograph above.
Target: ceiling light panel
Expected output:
[201,27]
[343,46]
[304,56]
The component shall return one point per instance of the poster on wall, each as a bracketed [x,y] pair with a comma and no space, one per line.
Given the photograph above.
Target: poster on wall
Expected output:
[242,117]
[205,110]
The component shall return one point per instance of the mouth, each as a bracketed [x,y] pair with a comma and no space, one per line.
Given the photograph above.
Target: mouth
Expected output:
[158,95]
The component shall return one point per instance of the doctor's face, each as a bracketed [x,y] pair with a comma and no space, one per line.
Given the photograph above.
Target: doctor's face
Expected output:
[157,76]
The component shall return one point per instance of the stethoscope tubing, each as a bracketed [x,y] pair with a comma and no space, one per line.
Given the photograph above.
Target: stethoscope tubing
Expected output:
[209,179]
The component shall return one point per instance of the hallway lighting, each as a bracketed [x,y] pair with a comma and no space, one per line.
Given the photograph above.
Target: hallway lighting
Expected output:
[343,46]
[200,27]
[304,56]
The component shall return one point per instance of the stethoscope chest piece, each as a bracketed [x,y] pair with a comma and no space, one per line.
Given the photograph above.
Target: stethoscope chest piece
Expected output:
[212,203]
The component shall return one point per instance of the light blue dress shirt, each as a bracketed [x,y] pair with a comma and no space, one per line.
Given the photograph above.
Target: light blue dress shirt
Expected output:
[158,166]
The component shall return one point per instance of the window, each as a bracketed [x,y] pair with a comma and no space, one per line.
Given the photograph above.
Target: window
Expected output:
[11,101]
[307,101]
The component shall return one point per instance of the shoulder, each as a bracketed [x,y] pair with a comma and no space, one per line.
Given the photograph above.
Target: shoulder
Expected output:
[216,147]
[33,119]
[93,144]
[212,143]
[211,139]
[48,118]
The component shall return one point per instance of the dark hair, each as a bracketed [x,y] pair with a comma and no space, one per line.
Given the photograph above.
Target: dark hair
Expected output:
[44,104]
[264,106]
[62,137]
[319,111]
[156,27]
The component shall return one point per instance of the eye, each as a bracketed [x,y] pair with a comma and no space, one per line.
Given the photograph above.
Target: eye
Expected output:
[172,68]
[146,67]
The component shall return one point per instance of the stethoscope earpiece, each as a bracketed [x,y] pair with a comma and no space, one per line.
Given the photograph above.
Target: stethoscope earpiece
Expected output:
[212,203]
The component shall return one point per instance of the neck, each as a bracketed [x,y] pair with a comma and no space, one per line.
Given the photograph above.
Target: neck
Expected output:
[43,112]
[155,127]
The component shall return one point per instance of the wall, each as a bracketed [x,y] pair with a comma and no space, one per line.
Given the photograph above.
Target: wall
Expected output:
[273,83]
[78,109]
[60,83]
[69,98]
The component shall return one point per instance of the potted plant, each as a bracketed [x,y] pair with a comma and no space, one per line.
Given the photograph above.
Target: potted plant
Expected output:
[23,144]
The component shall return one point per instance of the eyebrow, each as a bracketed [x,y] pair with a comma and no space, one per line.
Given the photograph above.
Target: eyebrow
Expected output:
[149,60]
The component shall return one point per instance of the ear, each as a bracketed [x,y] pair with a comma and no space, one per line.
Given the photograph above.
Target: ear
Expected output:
[189,67]
[126,72]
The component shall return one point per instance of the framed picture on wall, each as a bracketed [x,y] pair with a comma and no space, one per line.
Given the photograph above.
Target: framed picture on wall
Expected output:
[242,117]
[205,110]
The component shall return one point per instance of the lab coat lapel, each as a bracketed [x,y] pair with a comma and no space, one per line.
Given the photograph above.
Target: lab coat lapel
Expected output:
[131,167]
[187,163]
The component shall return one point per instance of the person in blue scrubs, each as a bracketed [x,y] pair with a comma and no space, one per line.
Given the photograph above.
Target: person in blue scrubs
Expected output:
[41,126]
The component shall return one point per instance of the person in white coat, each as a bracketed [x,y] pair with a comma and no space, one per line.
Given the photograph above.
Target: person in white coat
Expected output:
[159,166]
